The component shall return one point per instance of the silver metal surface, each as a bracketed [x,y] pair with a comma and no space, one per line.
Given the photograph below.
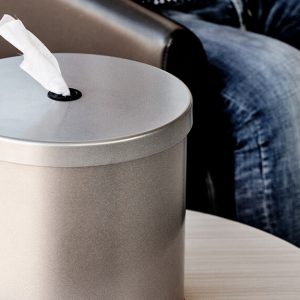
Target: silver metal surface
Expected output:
[92,192]
[128,110]
[111,232]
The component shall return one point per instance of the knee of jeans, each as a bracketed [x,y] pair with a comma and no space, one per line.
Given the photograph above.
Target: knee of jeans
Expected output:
[263,82]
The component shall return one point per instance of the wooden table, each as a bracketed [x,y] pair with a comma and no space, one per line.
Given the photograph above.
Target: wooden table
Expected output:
[229,260]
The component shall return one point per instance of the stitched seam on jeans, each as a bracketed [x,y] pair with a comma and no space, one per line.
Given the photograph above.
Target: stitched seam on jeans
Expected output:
[266,175]
[266,193]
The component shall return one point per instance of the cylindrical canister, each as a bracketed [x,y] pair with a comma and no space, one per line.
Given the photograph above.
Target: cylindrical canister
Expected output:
[92,191]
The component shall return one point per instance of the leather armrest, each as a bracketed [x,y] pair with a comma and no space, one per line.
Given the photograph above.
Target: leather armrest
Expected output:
[122,28]
[110,27]
[119,28]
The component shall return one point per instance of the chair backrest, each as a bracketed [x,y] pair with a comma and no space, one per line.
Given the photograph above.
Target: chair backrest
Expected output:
[124,29]
[117,28]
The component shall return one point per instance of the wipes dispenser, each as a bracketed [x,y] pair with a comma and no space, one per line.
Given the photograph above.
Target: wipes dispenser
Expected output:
[92,186]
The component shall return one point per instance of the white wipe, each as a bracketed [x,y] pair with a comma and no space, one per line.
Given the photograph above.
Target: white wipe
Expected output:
[38,61]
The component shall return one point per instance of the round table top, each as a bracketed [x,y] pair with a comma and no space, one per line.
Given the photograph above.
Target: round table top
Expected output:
[229,260]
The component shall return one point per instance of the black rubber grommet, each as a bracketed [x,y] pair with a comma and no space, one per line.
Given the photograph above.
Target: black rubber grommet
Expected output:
[74,95]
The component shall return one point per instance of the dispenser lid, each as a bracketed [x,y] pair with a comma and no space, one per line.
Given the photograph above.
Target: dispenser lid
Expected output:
[128,110]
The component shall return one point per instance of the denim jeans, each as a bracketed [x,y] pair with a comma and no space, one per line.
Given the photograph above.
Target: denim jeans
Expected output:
[256,76]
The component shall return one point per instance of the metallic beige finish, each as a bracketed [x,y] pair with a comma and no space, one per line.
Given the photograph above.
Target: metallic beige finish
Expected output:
[110,232]
[92,192]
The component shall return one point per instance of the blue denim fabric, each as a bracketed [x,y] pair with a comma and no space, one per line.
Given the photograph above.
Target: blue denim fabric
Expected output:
[257,79]
[276,18]
[226,12]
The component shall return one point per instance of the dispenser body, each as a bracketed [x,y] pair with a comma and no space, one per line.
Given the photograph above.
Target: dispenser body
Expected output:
[109,232]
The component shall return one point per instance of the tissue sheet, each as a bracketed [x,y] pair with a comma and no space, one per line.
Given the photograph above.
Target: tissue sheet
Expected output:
[38,61]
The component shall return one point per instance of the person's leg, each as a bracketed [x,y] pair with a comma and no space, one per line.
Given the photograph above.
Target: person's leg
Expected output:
[257,79]
[279,19]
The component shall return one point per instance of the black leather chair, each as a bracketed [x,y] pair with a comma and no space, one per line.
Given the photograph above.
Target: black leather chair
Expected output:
[122,28]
